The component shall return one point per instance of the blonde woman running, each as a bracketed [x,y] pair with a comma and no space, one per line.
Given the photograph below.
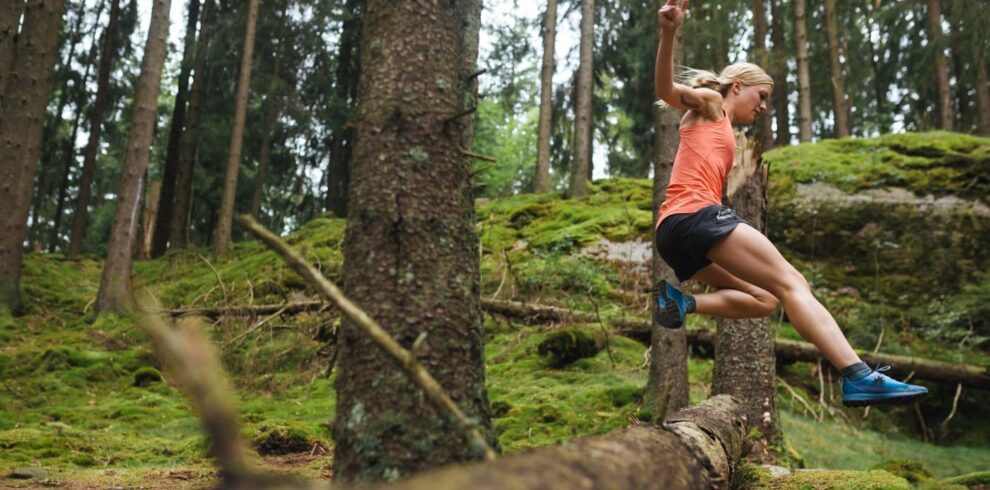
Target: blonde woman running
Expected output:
[705,241]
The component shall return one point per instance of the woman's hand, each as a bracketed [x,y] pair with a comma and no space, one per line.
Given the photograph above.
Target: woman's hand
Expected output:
[671,16]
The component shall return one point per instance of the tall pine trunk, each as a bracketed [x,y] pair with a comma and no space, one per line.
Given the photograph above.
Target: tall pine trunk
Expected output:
[178,236]
[760,37]
[22,119]
[167,196]
[115,282]
[541,181]
[982,92]
[10,17]
[937,41]
[411,250]
[778,70]
[804,80]
[272,110]
[225,220]
[581,167]
[839,107]
[108,51]
[343,133]
[745,362]
[667,381]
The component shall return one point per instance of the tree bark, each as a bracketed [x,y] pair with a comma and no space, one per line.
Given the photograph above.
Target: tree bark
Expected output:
[116,279]
[225,219]
[22,118]
[696,448]
[411,250]
[541,181]
[667,382]
[272,111]
[344,134]
[760,37]
[97,112]
[840,109]
[778,70]
[744,358]
[982,96]
[581,167]
[941,66]
[804,81]
[167,197]
[178,236]
[10,18]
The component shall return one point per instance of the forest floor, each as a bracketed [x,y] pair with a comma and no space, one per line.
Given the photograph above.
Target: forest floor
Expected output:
[81,398]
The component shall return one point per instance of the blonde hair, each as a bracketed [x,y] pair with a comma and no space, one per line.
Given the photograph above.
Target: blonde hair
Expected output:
[742,72]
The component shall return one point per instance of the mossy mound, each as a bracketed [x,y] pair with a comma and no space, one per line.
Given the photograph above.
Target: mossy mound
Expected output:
[973,481]
[570,344]
[839,480]
[912,471]
[284,439]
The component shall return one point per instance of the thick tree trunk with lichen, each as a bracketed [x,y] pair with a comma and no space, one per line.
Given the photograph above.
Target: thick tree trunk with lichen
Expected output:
[22,118]
[115,282]
[410,250]
[697,448]
[744,349]
[10,17]
[581,166]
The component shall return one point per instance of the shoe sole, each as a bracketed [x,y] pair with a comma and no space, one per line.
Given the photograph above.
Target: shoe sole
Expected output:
[660,288]
[896,400]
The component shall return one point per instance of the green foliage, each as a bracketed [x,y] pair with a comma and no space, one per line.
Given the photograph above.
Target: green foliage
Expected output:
[510,139]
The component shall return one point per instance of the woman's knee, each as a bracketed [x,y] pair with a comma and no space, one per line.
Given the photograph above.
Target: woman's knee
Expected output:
[768,305]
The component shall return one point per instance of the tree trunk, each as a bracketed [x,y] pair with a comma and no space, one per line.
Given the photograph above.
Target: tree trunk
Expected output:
[22,118]
[744,356]
[982,95]
[226,216]
[97,112]
[804,81]
[839,107]
[696,448]
[344,134]
[778,69]
[667,382]
[941,66]
[10,17]
[68,156]
[541,181]
[152,199]
[115,283]
[167,197]
[760,37]
[581,167]
[178,236]
[411,250]
[272,111]
[876,57]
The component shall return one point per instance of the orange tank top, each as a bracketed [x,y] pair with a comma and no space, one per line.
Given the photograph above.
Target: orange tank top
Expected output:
[703,160]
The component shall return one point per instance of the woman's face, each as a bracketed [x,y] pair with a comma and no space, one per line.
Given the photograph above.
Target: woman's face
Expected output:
[750,101]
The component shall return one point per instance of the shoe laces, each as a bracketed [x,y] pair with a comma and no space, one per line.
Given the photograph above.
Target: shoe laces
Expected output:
[879,378]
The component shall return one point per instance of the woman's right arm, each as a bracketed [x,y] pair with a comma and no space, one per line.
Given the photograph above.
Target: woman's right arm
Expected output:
[671,16]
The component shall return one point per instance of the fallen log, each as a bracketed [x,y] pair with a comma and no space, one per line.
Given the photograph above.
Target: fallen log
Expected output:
[788,351]
[695,448]
[703,341]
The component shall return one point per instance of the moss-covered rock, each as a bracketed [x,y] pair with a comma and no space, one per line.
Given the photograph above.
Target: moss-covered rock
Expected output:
[570,344]
[284,439]
[146,375]
[839,480]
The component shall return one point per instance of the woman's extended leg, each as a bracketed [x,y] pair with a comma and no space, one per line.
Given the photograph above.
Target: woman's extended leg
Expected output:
[750,256]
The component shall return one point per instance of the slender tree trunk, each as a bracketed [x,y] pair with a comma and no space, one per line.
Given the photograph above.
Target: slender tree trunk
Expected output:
[178,236]
[744,349]
[115,282]
[344,134]
[765,128]
[68,156]
[167,195]
[667,383]
[804,81]
[839,107]
[541,182]
[225,219]
[22,119]
[411,251]
[778,69]
[876,53]
[941,66]
[10,17]
[96,115]
[582,165]
[982,95]
[271,118]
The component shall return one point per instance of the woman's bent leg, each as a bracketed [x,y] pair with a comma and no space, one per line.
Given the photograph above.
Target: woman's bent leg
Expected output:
[750,256]
[733,297]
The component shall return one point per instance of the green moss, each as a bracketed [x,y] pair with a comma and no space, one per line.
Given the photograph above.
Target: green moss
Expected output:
[840,480]
[147,375]
[912,471]
[979,480]
[283,439]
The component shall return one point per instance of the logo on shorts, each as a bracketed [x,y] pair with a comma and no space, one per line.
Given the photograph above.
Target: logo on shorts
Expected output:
[725,213]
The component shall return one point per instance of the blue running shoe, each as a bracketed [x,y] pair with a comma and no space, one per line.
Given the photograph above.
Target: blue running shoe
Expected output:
[672,305]
[877,388]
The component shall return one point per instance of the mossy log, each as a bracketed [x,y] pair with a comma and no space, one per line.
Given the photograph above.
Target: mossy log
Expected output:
[695,448]
[567,345]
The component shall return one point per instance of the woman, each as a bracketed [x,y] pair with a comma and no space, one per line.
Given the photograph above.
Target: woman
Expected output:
[705,241]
